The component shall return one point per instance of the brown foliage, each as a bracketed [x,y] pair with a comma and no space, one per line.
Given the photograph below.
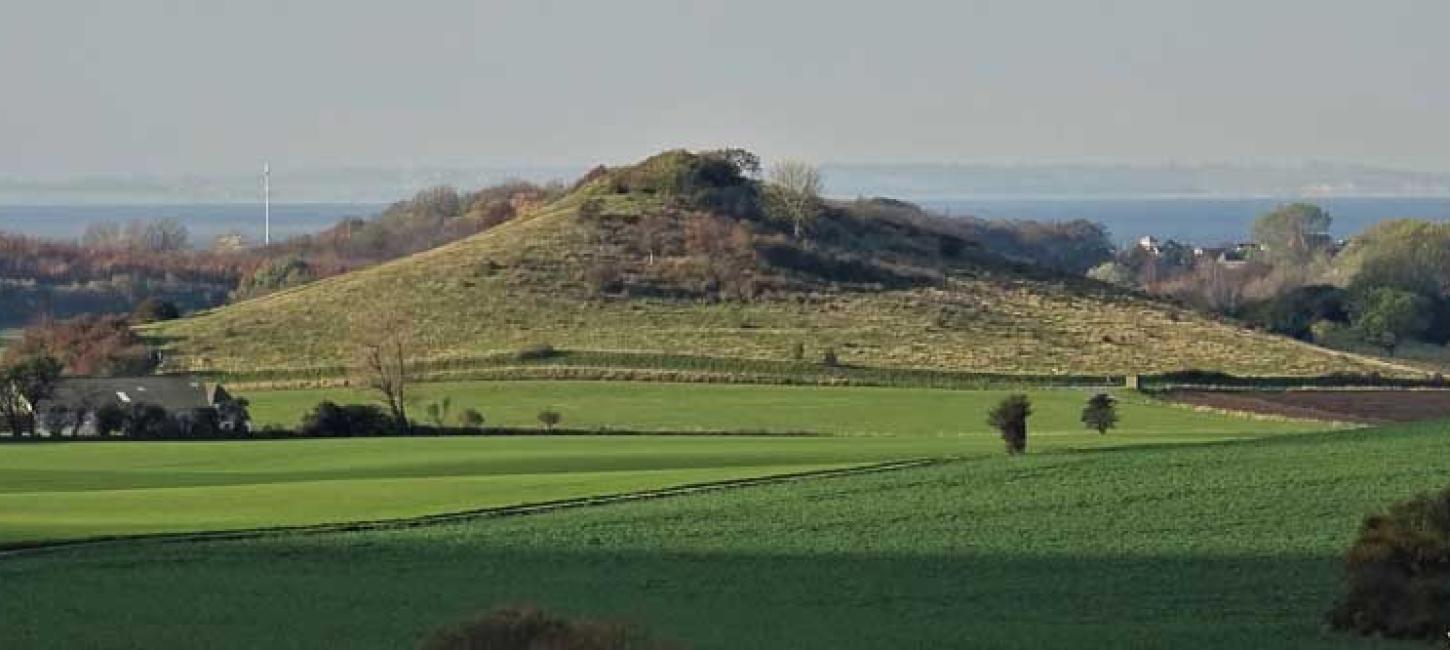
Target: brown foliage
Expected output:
[88,346]
[530,628]
[1399,573]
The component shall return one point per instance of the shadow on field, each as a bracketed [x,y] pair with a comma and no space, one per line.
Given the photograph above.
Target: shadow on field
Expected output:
[385,593]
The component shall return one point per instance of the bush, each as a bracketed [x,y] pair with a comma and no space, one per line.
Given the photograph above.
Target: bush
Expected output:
[798,352]
[153,310]
[829,358]
[537,352]
[1101,413]
[110,418]
[471,419]
[1398,573]
[330,420]
[1009,418]
[529,628]
[550,419]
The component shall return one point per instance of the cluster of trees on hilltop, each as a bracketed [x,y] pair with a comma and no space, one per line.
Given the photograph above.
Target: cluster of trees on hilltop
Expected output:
[1383,287]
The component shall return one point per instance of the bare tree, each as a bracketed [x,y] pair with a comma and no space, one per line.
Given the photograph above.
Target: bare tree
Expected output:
[794,193]
[384,363]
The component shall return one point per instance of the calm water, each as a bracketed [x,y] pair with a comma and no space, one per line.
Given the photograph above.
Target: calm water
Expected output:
[205,221]
[1195,220]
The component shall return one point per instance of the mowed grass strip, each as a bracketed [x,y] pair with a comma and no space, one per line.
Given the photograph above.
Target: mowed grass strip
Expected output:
[1231,545]
[78,490]
[775,409]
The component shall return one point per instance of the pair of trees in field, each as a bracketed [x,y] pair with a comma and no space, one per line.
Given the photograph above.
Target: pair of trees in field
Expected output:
[1010,416]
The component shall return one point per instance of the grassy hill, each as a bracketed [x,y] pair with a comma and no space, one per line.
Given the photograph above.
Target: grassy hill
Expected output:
[674,255]
[1233,545]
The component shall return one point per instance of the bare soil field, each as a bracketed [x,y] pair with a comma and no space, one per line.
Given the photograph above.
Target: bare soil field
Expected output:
[1360,406]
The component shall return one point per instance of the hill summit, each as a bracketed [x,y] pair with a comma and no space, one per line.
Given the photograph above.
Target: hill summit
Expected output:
[688,254]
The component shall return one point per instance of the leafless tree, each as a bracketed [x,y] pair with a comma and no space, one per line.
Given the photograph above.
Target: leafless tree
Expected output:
[794,193]
[385,350]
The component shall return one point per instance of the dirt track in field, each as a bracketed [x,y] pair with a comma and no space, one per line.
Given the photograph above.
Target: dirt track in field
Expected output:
[1360,406]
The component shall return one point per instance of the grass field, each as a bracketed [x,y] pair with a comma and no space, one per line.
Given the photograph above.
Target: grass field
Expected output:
[67,491]
[744,408]
[1230,545]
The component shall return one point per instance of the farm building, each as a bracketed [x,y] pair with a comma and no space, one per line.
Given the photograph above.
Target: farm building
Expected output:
[72,407]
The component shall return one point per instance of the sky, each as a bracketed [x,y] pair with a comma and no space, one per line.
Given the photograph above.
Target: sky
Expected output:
[201,86]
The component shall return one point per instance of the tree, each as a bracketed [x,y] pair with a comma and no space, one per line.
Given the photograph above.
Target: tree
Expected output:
[384,364]
[1385,317]
[471,418]
[550,419]
[23,385]
[1009,418]
[794,194]
[1101,413]
[1293,234]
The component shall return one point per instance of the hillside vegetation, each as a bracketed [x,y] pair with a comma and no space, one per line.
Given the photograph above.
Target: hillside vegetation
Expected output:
[679,254]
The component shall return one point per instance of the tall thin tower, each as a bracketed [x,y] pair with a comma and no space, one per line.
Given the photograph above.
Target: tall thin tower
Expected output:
[267,204]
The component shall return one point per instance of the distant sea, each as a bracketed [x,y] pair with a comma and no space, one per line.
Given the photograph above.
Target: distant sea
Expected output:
[1196,220]
[204,220]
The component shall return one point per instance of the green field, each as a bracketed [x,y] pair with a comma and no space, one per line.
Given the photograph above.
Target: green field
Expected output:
[590,405]
[1230,545]
[68,491]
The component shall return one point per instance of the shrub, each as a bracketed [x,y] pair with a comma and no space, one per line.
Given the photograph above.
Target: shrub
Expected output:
[550,419]
[1398,572]
[438,411]
[1009,418]
[529,628]
[1101,413]
[798,352]
[331,420]
[537,352]
[152,310]
[471,419]
[110,418]
[829,358]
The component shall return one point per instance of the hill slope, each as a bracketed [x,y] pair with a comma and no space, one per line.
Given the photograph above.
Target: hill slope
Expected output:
[674,255]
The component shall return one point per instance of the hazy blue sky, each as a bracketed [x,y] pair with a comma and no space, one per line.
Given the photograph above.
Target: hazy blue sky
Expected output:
[110,85]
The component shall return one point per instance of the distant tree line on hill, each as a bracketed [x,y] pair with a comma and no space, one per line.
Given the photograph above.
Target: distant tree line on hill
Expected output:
[113,267]
[1387,286]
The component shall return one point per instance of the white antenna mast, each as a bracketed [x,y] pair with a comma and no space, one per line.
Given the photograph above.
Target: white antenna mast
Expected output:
[267,204]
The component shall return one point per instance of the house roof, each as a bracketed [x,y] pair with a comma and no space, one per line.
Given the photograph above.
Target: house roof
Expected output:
[174,393]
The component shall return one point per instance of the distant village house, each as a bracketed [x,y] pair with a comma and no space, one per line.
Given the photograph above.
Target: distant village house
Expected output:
[71,409]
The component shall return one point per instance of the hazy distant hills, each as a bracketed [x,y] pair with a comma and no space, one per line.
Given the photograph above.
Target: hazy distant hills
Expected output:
[911,181]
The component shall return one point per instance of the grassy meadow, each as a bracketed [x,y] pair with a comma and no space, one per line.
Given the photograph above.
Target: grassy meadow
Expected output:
[647,406]
[1229,545]
[81,490]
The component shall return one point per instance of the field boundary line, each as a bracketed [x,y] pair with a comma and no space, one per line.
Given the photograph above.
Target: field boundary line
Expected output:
[14,549]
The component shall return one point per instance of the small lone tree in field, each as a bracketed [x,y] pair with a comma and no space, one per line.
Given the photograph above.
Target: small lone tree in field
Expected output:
[471,419]
[550,419]
[1101,413]
[829,358]
[1009,418]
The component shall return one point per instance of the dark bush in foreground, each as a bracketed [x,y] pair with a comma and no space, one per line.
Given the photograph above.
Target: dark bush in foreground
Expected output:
[529,628]
[329,420]
[1398,582]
